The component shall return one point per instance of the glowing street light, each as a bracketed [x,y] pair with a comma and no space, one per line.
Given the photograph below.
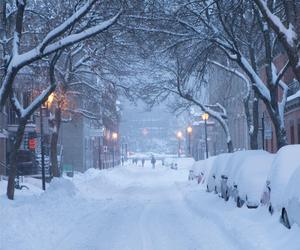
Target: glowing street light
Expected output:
[114,137]
[179,135]
[189,131]
[205,117]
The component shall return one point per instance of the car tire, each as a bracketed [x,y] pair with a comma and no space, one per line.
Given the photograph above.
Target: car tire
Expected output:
[285,219]
[226,198]
[271,209]
[239,202]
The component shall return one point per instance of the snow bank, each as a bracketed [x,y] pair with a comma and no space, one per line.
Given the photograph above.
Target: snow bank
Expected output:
[61,187]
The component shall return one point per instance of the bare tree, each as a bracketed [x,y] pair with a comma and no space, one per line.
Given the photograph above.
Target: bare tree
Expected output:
[58,38]
[23,116]
[183,84]
[285,24]
[53,42]
[219,23]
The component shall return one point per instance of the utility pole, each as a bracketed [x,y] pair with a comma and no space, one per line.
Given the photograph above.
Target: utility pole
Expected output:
[206,143]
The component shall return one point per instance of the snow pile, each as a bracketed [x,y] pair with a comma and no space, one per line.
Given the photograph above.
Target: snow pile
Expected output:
[61,187]
[135,208]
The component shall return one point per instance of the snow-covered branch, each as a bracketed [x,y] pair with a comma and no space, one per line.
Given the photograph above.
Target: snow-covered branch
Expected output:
[274,21]
[58,31]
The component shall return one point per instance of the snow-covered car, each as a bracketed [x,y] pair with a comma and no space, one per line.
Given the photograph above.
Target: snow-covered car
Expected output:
[283,183]
[227,176]
[290,211]
[247,184]
[217,169]
[201,169]
[191,175]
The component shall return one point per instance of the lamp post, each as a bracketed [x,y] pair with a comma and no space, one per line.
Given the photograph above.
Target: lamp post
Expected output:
[179,137]
[114,138]
[205,117]
[42,149]
[45,106]
[189,131]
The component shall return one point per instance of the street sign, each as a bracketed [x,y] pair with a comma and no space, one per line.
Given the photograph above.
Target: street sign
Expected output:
[268,134]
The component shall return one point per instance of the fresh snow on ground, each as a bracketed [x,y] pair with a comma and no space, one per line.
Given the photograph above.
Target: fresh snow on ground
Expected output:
[134,208]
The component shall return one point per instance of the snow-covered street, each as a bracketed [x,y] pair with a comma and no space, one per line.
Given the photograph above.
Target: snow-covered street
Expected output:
[135,208]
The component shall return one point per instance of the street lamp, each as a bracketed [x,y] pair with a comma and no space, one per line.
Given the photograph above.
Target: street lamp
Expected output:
[114,137]
[189,131]
[179,137]
[45,105]
[205,117]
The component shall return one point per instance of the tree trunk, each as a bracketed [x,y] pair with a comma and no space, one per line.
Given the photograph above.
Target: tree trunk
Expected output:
[280,131]
[13,159]
[54,141]
[230,146]
[255,117]
[255,113]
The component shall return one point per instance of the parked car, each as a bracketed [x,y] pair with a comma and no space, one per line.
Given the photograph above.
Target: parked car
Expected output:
[201,169]
[290,208]
[214,176]
[227,177]
[282,183]
[191,175]
[248,182]
[27,163]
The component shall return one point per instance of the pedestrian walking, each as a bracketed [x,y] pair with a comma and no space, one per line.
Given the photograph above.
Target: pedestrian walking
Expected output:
[143,162]
[153,161]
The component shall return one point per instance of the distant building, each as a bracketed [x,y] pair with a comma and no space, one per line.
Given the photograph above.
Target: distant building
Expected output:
[228,90]
[88,143]
[153,131]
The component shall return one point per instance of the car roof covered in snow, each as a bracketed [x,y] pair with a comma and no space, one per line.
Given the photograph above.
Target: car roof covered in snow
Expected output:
[203,166]
[252,175]
[284,166]
[233,164]
[217,168]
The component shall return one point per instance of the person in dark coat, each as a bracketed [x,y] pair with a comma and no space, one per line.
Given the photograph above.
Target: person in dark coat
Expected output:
[153,161]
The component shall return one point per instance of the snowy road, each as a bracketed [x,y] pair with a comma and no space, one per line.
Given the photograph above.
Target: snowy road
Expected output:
[136,208]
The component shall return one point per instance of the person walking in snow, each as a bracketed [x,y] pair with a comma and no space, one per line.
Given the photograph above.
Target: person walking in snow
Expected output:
[153,161]
[143,162]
